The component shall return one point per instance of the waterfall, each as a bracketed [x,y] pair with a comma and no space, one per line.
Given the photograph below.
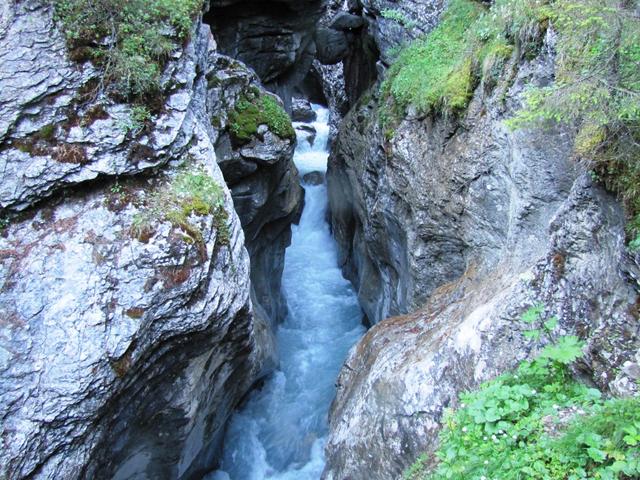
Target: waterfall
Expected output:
[280,432]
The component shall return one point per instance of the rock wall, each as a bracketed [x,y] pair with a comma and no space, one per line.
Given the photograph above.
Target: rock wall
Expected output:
[465,224]
[264,184]
[127,329]
[275,38]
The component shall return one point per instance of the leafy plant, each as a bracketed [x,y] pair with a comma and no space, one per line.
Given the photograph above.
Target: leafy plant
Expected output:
[537,423]
[116,188]
[136,121]
[533,317]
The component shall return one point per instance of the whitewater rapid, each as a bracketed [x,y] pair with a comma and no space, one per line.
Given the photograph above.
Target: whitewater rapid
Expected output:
[280,432]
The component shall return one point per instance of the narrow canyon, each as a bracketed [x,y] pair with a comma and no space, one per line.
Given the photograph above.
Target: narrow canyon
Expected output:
[279,239]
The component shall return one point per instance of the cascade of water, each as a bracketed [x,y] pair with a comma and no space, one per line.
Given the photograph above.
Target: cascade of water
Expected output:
[280,432]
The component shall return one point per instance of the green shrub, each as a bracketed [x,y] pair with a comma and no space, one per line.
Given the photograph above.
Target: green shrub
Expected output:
[130,40]
[253,110]
[537,423]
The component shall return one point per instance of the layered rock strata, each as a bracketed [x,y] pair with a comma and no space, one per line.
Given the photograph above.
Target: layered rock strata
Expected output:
[127,330]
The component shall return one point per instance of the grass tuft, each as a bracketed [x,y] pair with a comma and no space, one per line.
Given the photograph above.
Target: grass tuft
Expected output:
[129,40]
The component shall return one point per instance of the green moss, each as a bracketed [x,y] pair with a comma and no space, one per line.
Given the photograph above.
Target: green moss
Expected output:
[435,72]
[221,218]
[196,206]
[47,133]
[192,192]
[253,110]
[216,121]
[277,119]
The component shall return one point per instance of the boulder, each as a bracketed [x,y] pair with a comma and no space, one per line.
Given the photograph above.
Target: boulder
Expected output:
[313,178]
[301,110]
[332,45]
[345,21]
[309,134]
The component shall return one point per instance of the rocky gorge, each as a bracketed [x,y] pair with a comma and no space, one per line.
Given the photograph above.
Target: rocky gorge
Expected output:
[142,243]
[131,324]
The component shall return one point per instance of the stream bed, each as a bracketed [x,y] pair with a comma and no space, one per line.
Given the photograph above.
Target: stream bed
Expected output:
[281,431]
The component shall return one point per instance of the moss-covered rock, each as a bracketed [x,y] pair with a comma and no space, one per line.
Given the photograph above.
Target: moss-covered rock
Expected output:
[255,109]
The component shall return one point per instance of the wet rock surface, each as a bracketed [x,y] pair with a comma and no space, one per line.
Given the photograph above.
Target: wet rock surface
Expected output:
[392,24]
[314,178]
[466,224]
[301,111]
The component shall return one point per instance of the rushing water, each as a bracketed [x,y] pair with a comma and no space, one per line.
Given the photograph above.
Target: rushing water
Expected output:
[280,432]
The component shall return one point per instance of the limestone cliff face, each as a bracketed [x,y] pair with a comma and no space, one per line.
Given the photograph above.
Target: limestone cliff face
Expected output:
[127,328]
[465,223]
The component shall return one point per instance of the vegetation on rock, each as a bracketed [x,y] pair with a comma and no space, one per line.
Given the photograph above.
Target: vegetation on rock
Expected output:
[191,193]
[399,17]
[129,40]
[597,76]
[537,423]
[440,71]
[255,109]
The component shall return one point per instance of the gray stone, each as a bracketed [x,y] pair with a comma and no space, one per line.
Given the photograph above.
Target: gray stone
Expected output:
[332,45]
[126,340]
[453,228]
[313,178]
[42,90]
[346,21]
[301,110]
[264,184]
[421,17]
[309,133]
